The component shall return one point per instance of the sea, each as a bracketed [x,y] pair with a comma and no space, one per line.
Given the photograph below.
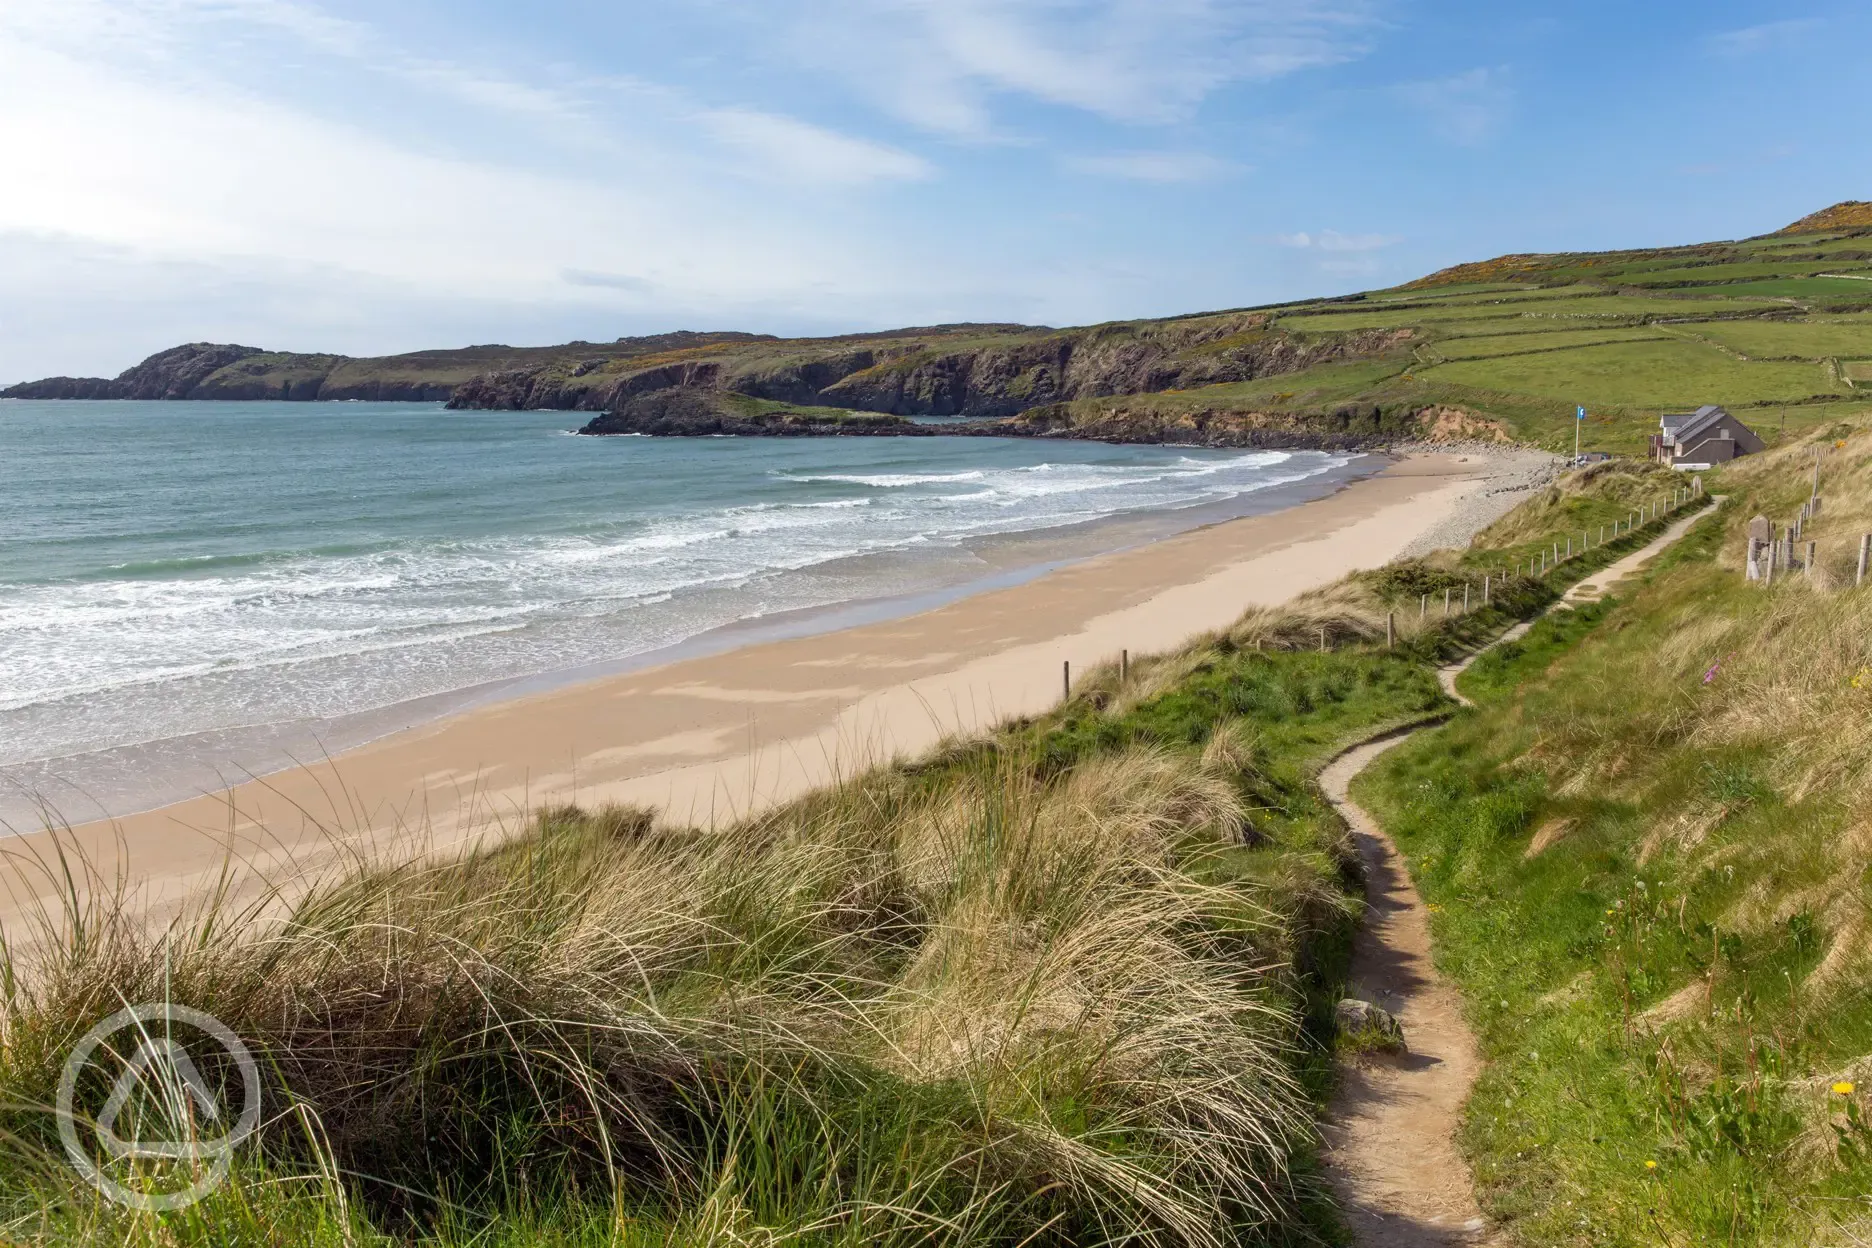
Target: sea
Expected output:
[192,594]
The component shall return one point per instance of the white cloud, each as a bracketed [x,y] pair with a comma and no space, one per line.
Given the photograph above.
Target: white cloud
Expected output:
[103,148]
[940,63]
[266,172]
[1762,38]
[1164,167]
[793,150]
[354,227]
[1333,240]
[1468,109]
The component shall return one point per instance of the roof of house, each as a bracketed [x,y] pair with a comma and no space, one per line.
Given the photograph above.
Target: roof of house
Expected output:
[1681,429]
[1701,422]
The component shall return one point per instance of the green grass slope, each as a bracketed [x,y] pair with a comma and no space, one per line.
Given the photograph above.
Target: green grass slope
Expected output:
[1649,857]
[1772,328]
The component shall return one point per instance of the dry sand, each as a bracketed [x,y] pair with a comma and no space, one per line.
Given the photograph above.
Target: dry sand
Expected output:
[711,738]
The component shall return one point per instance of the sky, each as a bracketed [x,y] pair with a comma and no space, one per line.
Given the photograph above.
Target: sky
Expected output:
[374,176]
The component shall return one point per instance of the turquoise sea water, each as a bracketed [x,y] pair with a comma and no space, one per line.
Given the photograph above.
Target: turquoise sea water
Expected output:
[220,584]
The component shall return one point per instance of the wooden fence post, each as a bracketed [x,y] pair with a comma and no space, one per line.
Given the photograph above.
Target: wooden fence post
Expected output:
[1446,602]
[1865,556]
[1485,589]
[1124,665]
[1390,629]
[1066,680]
[1465,595]
[1810,560]
[1423,608]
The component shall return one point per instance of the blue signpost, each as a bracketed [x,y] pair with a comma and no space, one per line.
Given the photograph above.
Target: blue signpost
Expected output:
[1578,421]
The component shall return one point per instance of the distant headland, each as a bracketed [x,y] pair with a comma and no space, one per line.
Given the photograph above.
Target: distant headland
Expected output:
[1503,349]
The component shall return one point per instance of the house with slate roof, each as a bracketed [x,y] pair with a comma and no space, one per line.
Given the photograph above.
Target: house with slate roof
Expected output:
[1702,439]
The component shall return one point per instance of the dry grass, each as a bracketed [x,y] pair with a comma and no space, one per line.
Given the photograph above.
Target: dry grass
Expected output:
[972,998]
[1589,496]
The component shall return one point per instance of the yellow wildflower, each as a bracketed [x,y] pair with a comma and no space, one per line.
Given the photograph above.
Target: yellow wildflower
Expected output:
[1863,678]
[1650,1165]
[1843,1088]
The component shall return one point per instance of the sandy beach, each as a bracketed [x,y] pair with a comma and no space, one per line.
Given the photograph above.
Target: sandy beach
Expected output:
[712,738]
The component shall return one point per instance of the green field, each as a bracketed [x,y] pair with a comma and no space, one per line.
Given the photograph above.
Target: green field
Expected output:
[1485,346]
[1540,311]
[1821,289]
[1789,268]
[1531,325]
[1807,340]
[1643,374]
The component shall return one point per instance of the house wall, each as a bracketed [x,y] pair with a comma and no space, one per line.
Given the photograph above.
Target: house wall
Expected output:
[1712,448]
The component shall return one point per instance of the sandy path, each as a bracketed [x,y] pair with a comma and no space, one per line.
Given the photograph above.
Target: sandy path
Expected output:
[1391,1130]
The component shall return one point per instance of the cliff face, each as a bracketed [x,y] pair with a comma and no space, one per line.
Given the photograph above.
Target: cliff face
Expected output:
[1003,376]
[690,413]
[171,374]
[985,372]
[1105,361]
[1343,428]
[212,371]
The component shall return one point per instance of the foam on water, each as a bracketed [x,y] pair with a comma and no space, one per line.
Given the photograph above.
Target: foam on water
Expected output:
[173,569]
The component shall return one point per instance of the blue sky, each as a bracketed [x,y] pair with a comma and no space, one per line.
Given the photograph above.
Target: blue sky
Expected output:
[378,176]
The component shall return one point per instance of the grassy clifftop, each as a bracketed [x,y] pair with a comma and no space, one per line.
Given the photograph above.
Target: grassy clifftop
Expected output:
[1778,329]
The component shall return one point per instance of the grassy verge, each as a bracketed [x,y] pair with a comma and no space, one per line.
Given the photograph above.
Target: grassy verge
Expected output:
[1648,852]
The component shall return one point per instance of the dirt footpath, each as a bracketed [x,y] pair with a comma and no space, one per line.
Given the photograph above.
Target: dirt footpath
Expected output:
[1391,1150]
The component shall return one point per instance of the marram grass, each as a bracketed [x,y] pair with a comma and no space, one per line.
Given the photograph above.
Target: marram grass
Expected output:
[968,1001]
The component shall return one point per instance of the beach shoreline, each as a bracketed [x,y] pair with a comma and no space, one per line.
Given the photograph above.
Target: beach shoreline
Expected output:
[712,738]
